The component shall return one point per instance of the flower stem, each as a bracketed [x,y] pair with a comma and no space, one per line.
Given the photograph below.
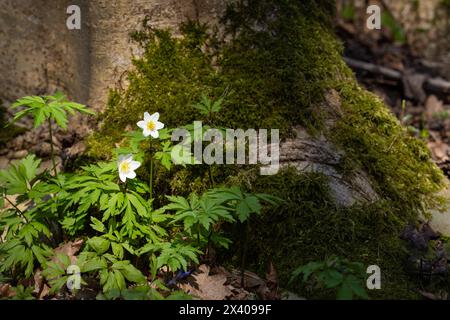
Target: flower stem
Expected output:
[245,229]
[211,180]
[151,178]
[151,173]
[52,151]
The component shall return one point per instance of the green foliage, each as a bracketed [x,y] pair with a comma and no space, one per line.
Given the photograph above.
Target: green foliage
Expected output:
[207,107]
[20,177]
[308,226]
[23,231]
[56,273]
[22,293]
[242,204]
[174,255]
[348,278]
[113,273]
[198,212]
[42,108]
[128,240]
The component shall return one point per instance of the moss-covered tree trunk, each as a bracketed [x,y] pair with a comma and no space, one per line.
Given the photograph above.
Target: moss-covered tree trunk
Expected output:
[352,177]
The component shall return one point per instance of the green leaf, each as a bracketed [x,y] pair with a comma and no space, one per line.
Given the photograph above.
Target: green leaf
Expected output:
[344,292]
[93,264]
[138,205]
[117,250]
[100,245]
[97,225]
[133,274]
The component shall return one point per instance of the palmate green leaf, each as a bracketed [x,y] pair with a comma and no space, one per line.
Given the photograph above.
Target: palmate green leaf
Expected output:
[220,241]
[117,249]
[174,255]
[356,285]
[130,272]
[139,204]
[97,225]
[30,101]
[39,117]
[70,106]
[55,272]
[48,107]
[344,292]
[100,245]
[89,263]
[18,177]
[120,280]
[110,282]
[165,156]
[129,220]
[58,114]
[178,203]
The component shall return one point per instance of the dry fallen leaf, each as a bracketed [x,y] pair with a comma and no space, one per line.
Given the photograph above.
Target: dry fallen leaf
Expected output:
[41,289]
[439,150]
[206,286]
[6,291]
[69,248]
[272,283]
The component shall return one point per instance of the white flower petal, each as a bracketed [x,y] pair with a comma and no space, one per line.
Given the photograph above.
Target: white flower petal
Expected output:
[122,177]
[131,175]
[146,132]
[159,125]
[141,124]
[147,116]
[154,134]
[155,116]
[134,165]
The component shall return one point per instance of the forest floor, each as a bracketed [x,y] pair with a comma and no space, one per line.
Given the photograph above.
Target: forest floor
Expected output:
[408,84]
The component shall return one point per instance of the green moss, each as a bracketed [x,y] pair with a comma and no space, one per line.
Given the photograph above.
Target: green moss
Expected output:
[272,78]
[309,227]
[398,165]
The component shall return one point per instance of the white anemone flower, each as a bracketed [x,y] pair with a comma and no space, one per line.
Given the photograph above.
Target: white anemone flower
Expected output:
[150,125]
[126,166]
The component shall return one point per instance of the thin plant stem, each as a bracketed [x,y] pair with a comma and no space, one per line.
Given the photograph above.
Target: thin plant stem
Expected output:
[52,147]
[21,214]
[244,250]
[211,179]
[151,173]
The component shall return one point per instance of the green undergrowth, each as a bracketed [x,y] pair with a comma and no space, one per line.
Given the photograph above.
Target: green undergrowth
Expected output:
[310,227]
[279,59]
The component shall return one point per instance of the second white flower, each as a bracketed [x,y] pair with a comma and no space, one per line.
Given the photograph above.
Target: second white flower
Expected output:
[150,125]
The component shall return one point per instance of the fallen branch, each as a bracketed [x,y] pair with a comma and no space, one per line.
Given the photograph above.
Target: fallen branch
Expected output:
[433,84]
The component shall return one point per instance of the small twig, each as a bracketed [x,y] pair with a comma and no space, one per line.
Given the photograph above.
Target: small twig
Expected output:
[21,214]
[434,84]
[51,146]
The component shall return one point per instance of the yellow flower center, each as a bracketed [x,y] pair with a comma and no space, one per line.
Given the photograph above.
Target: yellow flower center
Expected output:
[151,125]
[125,166]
